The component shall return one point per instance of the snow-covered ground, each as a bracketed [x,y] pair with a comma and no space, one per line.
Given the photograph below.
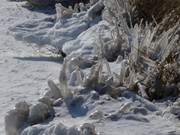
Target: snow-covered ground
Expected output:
[21,79]
[24,74]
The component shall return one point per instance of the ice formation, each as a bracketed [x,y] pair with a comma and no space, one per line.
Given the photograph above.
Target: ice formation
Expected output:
[105,80]
[38,113]
[15,119]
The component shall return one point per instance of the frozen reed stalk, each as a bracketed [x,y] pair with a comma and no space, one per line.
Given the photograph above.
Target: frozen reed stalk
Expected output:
[135,46]
[93,78]
[167,41]
[123,70]
[102,60]
[142,90]
[63,73]
[120,6]
[63,80]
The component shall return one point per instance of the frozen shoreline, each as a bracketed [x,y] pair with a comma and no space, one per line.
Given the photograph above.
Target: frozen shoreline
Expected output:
[24,75]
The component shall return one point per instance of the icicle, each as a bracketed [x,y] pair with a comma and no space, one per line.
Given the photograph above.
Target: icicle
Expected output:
[63,73]
[93,77]
[119,59]
[131,79]
[108,67]
[123,70]
[79,75]
[55,91]
[142,90]
[76,77]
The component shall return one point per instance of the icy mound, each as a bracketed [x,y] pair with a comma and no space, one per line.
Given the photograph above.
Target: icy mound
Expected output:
[85,45]
[66,27]
[66,30]
[92,102]
[46,31]
[60,129]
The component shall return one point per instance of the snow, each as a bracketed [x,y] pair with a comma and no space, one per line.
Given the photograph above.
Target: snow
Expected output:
[20,79]
[25,73]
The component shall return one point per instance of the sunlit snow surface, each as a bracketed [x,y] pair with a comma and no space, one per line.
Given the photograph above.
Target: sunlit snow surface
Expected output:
[20,79]
[24,74]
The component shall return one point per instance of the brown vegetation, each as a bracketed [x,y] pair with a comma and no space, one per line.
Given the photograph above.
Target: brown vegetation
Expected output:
[158,11]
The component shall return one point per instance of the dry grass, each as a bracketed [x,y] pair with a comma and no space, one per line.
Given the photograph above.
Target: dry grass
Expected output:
[153,68]
[166,11]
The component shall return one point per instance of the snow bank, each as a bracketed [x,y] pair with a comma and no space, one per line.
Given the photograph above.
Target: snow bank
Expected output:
[58,31]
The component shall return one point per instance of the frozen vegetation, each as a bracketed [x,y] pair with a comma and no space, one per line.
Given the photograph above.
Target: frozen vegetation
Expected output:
[119,68]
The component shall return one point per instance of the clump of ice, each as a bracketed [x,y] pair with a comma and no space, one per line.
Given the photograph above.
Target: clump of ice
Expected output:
[38,113]
[46,100]
[54,91]
[16,118]
[85,44]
